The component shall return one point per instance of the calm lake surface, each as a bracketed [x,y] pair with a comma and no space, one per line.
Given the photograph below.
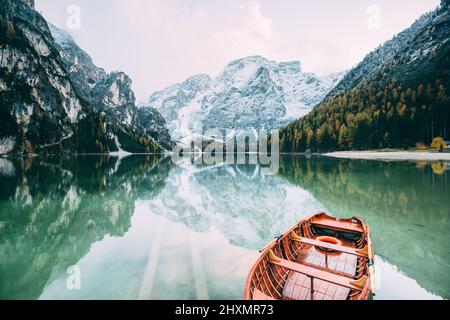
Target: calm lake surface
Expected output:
[144,228]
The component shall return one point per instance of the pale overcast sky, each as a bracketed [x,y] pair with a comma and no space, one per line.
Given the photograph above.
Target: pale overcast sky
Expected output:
[162,42]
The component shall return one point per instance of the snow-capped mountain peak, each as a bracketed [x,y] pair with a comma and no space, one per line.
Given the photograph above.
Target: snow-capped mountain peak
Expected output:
[251,92]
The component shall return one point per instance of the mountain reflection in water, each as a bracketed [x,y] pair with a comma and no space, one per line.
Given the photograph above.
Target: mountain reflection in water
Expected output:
[142,227]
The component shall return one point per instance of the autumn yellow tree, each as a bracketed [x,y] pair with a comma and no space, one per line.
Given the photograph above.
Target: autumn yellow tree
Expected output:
[438,143]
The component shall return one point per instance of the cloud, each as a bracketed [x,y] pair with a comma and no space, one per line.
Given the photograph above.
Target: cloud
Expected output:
[141,13]
[232,27]
[256,22]
[189,38]
[250,31]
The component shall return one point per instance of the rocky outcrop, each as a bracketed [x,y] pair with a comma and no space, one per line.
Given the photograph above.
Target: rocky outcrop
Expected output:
[77,62]
[38,101]
[150,122]
[131,127]
[52,96]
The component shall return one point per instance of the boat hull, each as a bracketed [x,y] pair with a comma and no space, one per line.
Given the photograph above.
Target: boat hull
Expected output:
[319,258]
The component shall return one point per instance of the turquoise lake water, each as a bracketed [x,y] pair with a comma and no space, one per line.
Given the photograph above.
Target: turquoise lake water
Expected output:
[142,227]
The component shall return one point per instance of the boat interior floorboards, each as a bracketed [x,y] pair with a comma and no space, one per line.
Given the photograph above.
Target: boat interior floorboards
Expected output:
[298,286]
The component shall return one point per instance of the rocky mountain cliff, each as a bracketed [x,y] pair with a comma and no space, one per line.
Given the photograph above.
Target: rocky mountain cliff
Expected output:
[397,97]
[250,93]
[76,61]
[414,52]
[54,99]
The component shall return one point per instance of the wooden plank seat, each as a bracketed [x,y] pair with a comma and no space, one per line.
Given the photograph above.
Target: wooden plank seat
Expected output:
[337,225]
[356,252]
[314,273]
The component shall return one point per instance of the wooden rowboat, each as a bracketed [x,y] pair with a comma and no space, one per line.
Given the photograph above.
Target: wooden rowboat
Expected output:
[320,258]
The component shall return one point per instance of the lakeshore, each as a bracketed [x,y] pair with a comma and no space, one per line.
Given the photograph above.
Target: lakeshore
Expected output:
[391,155]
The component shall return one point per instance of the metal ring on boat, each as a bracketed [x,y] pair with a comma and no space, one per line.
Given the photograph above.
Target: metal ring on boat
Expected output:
[330,240]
